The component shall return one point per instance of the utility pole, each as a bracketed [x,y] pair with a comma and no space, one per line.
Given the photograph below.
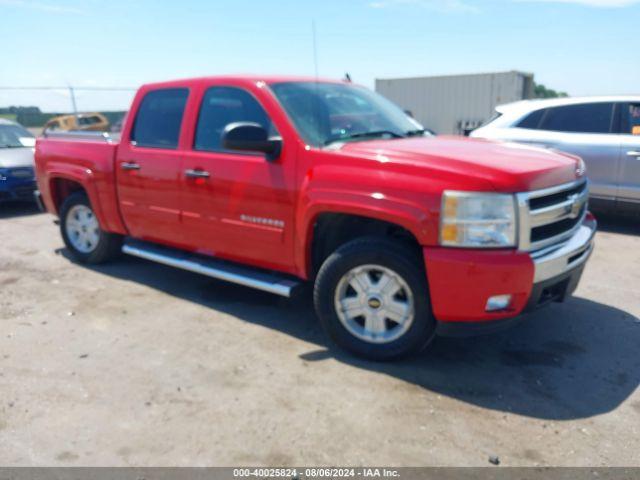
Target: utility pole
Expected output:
[73,100]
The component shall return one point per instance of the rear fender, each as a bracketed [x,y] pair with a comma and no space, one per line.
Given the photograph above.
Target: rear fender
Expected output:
[82,176]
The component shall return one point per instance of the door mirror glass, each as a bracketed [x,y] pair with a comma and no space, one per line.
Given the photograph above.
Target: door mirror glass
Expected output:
[250,137]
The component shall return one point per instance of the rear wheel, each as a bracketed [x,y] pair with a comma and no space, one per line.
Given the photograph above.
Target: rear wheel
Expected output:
[82,234]
[372,298]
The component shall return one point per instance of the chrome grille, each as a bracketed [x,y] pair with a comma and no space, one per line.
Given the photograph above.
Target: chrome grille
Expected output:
[550,216]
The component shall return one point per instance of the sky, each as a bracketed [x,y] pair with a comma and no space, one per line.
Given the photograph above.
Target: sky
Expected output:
[584,47]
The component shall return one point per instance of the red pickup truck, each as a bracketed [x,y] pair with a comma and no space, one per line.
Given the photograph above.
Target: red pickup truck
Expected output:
[273,182]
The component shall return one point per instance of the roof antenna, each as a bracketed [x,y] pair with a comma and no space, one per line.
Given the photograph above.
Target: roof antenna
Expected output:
[315,47]
[347,77]
[316,106]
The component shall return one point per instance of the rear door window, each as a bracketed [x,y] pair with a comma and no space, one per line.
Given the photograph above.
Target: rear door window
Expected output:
[582,118]
[159,117]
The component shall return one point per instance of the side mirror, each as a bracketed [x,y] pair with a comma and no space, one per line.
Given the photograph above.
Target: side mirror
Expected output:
[251,137]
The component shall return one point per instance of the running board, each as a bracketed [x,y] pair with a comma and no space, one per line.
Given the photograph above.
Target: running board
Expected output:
[278,284]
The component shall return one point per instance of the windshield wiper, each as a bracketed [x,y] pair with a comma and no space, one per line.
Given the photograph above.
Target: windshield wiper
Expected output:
[416,132]
[373,134]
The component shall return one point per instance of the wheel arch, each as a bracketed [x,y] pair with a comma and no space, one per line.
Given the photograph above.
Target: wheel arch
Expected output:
[328,230]
[63,185]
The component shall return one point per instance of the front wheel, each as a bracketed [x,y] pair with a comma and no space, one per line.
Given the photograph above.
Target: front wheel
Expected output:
[82,234]
[372,298]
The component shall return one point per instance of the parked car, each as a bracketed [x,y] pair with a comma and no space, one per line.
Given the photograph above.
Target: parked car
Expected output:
[17,177]
[272,182]
[92,122]
[603,131]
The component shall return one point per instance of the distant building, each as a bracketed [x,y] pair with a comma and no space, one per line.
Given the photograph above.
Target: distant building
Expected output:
[456,104]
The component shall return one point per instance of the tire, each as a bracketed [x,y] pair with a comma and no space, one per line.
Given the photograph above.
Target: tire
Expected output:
[82,234]
[363,317]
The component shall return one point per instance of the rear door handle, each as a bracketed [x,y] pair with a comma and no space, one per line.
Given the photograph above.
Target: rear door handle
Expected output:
[634,153]
[129,166]
[196,173]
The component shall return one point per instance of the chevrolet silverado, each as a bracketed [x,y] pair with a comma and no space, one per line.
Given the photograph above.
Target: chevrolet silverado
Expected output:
[271,182]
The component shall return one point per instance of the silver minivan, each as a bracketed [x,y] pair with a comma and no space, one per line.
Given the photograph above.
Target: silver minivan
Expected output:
[603,131]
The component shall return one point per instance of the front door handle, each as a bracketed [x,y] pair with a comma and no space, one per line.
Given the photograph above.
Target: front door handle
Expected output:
[129,166]
[634,153]
[191,173]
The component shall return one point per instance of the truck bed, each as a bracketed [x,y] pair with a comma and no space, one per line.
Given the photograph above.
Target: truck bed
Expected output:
[80,158]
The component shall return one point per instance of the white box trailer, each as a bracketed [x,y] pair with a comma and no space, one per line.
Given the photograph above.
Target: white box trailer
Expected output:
[456,104]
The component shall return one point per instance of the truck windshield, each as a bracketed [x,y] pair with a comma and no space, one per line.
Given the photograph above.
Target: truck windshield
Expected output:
[324,113]
[14,136]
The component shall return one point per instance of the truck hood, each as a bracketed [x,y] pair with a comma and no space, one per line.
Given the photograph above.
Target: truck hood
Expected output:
[508,167]
[16,157]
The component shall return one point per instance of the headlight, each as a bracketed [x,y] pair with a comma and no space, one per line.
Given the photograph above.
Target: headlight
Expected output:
[477,220]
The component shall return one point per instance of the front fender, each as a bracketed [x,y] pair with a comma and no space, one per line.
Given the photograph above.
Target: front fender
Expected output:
[418,219]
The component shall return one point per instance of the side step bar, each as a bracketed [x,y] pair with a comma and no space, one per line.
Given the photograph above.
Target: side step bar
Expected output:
[278,284]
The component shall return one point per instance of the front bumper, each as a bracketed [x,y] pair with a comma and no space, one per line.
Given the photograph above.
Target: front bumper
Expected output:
[558,272]
[461,281]
[16,188]
[18,193]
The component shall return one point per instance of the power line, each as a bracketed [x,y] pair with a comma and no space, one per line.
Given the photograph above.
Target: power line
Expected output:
[66,87]
[71,89]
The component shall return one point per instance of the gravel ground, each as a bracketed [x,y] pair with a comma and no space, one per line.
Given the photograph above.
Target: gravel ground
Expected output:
[134,363]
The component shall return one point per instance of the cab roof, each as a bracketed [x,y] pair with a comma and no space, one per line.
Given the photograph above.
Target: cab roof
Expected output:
[248,78]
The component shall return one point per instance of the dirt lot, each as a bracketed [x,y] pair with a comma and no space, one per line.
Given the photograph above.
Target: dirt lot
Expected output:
[135,363]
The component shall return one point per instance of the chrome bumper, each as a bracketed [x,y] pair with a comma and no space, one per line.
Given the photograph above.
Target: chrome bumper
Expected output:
[554,261]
